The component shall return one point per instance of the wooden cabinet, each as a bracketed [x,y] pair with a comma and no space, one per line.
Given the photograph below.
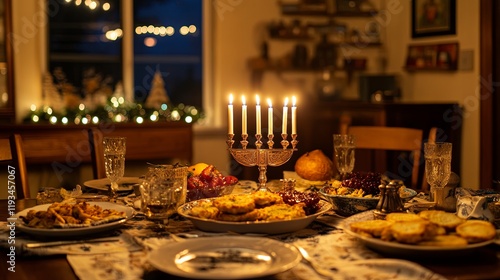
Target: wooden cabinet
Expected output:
[319,120]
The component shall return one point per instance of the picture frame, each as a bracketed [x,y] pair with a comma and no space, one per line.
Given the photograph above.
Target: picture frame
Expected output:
[433,18]
[440,57]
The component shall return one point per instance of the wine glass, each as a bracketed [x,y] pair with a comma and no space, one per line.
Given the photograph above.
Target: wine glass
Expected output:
[344,146]
[114,161]
[437,167]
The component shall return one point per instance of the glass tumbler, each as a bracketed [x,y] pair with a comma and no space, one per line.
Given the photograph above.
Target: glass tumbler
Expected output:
[163,190]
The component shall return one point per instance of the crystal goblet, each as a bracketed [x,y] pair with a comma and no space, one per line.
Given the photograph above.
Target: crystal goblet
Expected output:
[114,161]
[437,166]
[344,146]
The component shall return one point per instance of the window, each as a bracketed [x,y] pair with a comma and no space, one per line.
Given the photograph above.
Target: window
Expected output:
[86,49]
[80,53]
[167,40]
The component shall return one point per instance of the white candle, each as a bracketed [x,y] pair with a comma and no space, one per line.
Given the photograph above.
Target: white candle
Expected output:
[270,117]
[257,116]
[243,116]
[294,116]
[285,116]
[230,115]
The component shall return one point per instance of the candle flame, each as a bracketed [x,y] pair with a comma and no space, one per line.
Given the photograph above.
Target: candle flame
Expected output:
[243,100]
[269,102]
[286,101]
[294,101]
[230,99]
[257,99]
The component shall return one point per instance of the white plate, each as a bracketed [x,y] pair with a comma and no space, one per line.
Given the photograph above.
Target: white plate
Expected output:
[227,257]
[125,183]
[71,232]
[268,227]
[395,248]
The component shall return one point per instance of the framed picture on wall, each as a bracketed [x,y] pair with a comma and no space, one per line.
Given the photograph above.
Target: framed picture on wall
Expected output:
[433,18]
[443,57]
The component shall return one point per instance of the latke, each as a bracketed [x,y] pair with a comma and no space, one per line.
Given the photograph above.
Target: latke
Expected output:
[235,203]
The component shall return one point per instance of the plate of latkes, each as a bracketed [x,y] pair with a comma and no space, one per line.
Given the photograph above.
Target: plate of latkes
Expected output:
[429,249]
[93,217]
[209,221]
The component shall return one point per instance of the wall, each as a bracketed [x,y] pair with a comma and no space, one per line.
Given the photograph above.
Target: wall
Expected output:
[238,28]
[459,86]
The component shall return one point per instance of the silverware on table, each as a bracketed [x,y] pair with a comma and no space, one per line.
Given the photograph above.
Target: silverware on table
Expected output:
[70,242]
[319,270]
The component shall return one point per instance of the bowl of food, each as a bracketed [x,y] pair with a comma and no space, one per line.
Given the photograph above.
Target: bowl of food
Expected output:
[358,193]
[205,181]
[348,204]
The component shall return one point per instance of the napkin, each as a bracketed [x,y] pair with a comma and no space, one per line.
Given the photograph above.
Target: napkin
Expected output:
[473,204]
[347,258]
[122,243]
[109,266]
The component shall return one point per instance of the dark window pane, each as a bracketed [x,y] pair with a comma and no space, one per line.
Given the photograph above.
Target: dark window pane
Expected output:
[78,44]
[168,40]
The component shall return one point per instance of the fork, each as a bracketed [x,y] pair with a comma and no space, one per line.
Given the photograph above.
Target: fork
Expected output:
[319,270]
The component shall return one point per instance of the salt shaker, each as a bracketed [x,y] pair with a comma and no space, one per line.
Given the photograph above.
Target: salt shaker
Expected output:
[389,201]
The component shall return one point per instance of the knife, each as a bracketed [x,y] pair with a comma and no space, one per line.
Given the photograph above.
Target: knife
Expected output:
[70,242]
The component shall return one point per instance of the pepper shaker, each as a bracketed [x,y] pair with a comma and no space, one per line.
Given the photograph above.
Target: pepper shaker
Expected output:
[390,200]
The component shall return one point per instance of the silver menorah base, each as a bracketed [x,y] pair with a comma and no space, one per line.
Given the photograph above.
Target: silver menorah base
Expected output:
[262,158]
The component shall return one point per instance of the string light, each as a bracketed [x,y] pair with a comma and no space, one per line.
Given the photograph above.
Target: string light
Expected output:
[116,110]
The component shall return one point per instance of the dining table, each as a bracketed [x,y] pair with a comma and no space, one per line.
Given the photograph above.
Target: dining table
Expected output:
[482,263]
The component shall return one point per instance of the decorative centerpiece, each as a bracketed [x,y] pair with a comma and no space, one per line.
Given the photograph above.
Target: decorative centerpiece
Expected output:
[259,156]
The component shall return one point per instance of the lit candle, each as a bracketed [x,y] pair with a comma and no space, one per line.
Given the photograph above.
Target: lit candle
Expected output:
[294,116]
[243,116]
[285,116]
[257,115]
[270,117]
[230,115]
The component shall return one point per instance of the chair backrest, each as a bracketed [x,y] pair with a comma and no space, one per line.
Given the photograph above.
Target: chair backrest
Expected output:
[381,139]
[97,153]
[12,154]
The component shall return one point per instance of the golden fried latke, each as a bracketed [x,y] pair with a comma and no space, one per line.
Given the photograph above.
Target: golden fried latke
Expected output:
[245,217]
[282,212]
[265,198]
[235,203]
[205,210]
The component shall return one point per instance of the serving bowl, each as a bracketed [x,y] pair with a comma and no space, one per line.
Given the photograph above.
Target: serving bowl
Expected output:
[209,192]
[348,205]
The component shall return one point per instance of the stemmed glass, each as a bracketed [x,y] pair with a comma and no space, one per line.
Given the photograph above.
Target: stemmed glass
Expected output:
[437,166]
[114,161]
[344,146]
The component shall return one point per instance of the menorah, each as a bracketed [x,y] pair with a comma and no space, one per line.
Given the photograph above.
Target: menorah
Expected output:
[260,156]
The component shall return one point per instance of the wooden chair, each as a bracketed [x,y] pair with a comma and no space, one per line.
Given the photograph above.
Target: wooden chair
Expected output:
[96,153]
[12,154]
[380,139]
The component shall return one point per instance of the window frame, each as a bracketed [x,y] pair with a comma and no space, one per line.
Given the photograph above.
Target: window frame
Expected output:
[210,100]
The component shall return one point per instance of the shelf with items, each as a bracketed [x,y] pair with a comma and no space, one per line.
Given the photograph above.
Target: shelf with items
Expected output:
[262,65]
[318,37]
[329,8]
